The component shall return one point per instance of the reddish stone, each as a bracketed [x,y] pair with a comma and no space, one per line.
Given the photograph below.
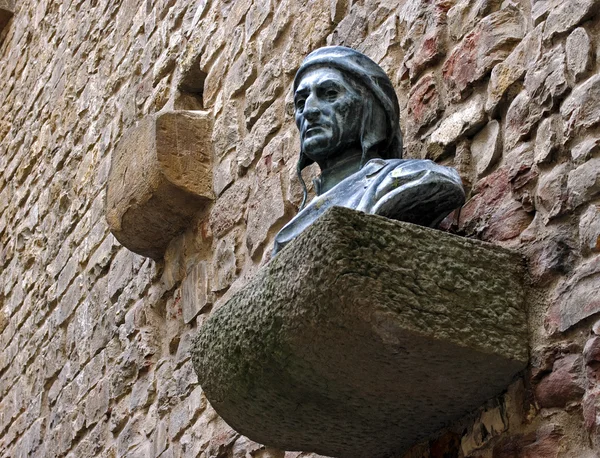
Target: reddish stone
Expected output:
[489,195]
[591,352]
[563,385]
[590,409]
[426,34]
[508,222]
[429,51]
[542,360]
[488,44]
[544,443]
[424,104]
[591,355]
[447,446]
[547,443]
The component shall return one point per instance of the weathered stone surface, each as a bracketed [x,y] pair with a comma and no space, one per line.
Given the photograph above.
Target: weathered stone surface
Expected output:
[160,177]
[260,134]
[584,150]
[224,265]
[551,255]
[546,81]
[486,148]
[564,384]
[425,43]
[3,321]
[548,139]
[489,195]
[575,298]
[492,422]
[568,15]
[488,44]
[195,292]
[434,332]
[581,110]
[468,118]
[226,132]
[265,209]
[223,175]
[465,14]
[378,43]
[589,230]
[584,183]
[243,72]
[268,86]
[424,104]
[543,443]
[7,10]
[550,196]
[578,50]
[522,116]
[229,209]
[507,73]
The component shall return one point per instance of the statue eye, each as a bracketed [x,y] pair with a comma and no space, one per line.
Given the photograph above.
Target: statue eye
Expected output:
[331,94]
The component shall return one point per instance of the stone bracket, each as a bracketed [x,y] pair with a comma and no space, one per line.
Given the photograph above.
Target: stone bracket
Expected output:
[7,10]
[364,336]
[160,178]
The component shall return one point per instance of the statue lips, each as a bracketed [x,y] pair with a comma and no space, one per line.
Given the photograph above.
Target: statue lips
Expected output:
[316,129]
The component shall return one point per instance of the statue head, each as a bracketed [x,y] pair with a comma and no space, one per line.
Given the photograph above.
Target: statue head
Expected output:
[343,101]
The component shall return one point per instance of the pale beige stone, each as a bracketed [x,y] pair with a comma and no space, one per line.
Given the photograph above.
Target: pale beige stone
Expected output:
[468,117]
[161,175]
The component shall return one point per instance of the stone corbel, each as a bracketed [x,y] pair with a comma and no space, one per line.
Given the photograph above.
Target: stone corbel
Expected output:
[364,336]
[7,10]
[160,178]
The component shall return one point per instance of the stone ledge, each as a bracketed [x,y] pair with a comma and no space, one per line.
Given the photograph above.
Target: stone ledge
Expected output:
[365,336]
[7,10]
[160,177]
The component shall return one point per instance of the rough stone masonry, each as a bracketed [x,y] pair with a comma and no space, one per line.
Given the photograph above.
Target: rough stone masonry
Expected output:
[94,344]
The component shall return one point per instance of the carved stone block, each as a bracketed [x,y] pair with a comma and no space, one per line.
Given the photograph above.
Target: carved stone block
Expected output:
[364,336]
[7,10]
[160,177]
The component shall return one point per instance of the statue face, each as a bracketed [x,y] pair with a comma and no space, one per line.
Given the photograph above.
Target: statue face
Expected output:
[328,113]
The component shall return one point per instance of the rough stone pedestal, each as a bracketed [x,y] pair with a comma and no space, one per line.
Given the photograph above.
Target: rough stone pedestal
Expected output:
[7,10]
[160,177]
[364,336]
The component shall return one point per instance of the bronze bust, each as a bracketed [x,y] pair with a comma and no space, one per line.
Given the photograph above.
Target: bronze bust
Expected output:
[347,113]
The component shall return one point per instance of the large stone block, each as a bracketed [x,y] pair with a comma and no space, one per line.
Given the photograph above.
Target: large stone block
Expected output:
[7,10]
[364,336]
[160,177]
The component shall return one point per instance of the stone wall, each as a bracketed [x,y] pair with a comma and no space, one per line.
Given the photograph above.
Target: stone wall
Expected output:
[94,339]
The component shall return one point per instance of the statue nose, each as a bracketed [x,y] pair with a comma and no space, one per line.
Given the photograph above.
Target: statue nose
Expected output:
[311,113]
